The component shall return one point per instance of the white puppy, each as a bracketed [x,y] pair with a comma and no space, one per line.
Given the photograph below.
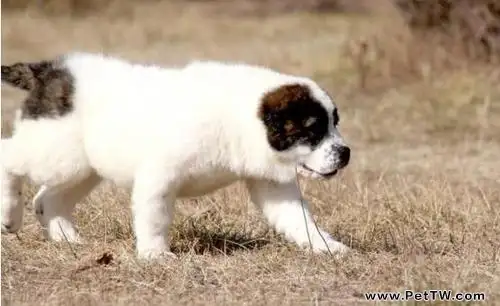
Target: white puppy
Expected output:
[167,133]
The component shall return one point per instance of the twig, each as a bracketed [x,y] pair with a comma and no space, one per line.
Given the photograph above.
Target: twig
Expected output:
[67,241]
[314,222]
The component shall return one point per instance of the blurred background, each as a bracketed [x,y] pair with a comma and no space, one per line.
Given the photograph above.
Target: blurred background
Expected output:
[417,83]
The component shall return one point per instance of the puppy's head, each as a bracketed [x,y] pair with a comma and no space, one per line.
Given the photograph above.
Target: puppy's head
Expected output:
[301,125]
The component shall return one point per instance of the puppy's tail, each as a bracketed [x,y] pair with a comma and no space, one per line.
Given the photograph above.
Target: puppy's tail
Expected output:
[24,75]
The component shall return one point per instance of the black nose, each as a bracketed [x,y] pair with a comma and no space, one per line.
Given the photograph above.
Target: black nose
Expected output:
[344,155]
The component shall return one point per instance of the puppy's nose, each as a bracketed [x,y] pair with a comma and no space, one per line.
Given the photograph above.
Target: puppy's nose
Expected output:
[344,155]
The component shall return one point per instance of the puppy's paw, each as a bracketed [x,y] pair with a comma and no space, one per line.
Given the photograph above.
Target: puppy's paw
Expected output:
[12,216]
[332,246]
[155,255]
[325,244]
[10,227]
[62,230]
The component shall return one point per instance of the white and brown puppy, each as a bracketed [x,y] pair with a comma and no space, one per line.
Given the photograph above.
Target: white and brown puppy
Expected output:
[167,133]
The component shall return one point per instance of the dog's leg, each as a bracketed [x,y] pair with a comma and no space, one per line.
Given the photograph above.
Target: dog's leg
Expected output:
[54,206]
[153,209]
[282,206]
[12,206]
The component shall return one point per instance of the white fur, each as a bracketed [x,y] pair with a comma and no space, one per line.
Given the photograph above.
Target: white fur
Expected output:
[165,133]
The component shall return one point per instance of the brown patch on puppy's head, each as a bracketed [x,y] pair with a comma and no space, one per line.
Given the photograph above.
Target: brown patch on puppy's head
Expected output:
[50,88]
[292,116]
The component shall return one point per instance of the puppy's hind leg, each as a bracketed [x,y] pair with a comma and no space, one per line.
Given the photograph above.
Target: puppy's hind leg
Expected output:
[12,206]
[54,206]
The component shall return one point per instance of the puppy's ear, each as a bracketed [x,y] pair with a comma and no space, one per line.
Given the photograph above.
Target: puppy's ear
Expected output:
[290,113]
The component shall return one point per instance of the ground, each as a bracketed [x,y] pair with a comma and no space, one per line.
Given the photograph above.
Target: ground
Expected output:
[419,203]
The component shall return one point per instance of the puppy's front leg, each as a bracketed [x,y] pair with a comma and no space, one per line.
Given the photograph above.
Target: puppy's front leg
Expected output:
[282,206]
[152,209]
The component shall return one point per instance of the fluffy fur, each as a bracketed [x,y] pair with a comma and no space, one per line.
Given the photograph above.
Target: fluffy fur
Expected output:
[170,133]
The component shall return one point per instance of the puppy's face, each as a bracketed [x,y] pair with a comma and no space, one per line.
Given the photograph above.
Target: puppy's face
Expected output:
[301,124]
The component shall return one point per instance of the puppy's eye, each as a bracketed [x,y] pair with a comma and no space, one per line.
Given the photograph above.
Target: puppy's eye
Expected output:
[289,126]
[310,121]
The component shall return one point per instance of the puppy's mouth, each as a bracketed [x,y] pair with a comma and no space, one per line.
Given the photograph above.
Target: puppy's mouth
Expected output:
[316,173]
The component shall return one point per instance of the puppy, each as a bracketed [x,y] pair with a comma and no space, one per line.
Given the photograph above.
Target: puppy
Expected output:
[167,134]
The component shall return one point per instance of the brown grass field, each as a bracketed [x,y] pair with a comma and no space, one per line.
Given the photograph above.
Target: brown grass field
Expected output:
[419,203]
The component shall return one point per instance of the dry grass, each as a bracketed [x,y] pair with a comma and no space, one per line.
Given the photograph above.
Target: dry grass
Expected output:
[474,24]
[419,203]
